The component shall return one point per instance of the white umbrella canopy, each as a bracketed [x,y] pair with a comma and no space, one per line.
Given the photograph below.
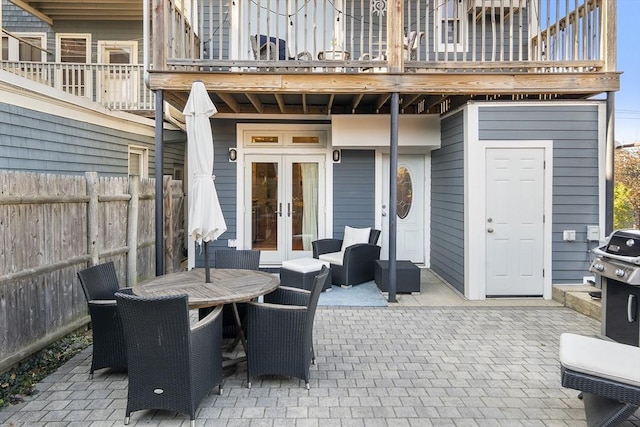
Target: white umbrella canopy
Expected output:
[206,221]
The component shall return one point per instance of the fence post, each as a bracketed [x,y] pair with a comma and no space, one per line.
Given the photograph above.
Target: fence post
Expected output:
[92,217]
[132,231]
[168,223]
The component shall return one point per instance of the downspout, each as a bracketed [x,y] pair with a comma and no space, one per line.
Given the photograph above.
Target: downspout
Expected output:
[609,12]
[609,167]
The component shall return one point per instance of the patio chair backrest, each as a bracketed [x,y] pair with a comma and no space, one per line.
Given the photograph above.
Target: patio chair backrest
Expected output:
[99,282]
[277,47]
[245,259]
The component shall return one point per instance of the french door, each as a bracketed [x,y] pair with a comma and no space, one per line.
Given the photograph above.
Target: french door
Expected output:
[284,205]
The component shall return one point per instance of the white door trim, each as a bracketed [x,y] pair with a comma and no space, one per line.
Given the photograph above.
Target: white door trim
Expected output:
[242,150]
[475,206]
[382,182]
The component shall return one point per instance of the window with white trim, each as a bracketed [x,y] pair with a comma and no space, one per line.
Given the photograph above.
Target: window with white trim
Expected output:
[76,49]
[24,47]
[452,27]
[138,161]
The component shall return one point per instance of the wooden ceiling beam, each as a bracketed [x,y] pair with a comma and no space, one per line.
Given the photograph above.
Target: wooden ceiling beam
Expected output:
[230,101]
[332,97]
[356,102]
[255,101]
[280,101]
[382,99]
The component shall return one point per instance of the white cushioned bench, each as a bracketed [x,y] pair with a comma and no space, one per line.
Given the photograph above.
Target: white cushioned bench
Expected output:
[607,373]
[300,273]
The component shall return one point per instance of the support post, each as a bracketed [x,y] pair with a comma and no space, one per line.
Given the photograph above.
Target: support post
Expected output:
[132,231]
[393,195]
[159,205]
[92,218]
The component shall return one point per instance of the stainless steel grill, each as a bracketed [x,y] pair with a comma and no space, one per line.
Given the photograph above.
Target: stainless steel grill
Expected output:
[618,263]
[619,258]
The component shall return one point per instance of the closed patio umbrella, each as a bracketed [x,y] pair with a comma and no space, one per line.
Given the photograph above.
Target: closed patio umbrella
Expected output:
[206,221]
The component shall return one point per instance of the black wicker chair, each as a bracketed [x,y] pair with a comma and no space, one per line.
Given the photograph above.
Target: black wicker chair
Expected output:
[280,331]
[172,365]
[358,262]
[99,284]
[607,375]
[242,259]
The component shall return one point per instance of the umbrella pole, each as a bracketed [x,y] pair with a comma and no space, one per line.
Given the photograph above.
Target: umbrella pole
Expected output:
[207,274]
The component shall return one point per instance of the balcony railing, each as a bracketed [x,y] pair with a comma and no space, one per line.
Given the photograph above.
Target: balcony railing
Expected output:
[359,36]
[117,87]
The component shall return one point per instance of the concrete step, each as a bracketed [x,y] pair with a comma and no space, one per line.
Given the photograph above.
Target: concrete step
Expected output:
[576,297]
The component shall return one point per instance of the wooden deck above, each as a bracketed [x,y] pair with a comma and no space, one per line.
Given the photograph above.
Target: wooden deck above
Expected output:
[369,93]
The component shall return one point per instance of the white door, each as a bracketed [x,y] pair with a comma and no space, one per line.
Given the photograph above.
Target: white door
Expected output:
[514,222]
[119,82]
[284,196]
[410,208]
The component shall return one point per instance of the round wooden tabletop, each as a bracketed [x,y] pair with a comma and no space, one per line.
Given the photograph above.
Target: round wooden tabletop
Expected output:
[227,286]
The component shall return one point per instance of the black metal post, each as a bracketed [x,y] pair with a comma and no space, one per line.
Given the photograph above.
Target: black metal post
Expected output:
[159,184]
[393,195]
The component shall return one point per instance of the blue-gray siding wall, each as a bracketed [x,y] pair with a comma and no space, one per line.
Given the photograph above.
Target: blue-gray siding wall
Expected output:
[14,19]
[354,191]
[447,203]
[574,132]
[39,142]
[224,137]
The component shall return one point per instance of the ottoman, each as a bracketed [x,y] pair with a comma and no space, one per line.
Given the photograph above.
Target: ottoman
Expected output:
[299,273]
[407,276]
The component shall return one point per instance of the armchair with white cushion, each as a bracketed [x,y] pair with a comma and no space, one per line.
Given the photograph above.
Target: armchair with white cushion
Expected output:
[353,258]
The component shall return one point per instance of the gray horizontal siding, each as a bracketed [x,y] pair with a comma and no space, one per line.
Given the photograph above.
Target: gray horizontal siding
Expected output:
[574,132]
[354,191]
[447,203]
[39,142]
[224,137]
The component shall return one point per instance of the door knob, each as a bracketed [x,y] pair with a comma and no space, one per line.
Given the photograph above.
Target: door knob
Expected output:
[489,230]
[384,214]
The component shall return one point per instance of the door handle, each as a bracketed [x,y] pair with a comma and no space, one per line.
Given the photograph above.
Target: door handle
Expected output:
[279,211]
[489,230]
[289,210]
[632,308]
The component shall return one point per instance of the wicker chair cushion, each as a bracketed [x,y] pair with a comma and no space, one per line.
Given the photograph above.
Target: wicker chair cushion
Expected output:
[353,236]
[601,358]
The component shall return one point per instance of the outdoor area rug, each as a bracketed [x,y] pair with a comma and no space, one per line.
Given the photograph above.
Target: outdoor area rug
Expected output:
[363,295]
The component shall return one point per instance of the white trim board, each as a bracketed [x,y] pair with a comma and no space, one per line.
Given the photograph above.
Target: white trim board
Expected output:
[475,204]
[24,93]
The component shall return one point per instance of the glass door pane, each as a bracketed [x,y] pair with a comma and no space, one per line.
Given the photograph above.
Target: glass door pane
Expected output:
[265,206]
[304,205]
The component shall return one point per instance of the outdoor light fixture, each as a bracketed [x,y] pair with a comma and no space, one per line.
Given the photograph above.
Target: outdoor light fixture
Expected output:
[336,156]
[233,154]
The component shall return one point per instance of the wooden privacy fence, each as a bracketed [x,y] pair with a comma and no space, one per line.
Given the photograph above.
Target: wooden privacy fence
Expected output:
[51,226]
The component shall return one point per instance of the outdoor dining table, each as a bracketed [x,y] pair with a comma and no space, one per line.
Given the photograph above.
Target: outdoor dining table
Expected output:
[227,286]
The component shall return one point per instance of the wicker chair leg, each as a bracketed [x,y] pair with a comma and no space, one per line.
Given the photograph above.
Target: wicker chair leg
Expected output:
[126,420]
[602,412]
